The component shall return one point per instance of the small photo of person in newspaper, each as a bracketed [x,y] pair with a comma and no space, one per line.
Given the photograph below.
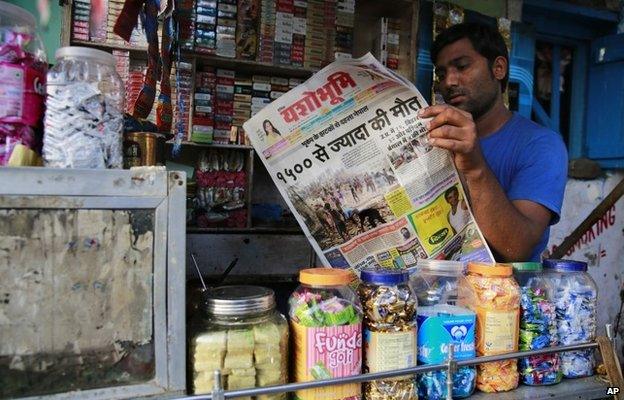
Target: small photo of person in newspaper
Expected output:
[458,216]
[272,134]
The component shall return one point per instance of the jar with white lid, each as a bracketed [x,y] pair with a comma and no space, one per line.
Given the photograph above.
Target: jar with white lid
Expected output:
[575,296]
[441,324]
[84,115]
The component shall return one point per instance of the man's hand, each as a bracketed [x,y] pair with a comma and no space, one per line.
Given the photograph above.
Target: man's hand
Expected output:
[498,218]
[453,129]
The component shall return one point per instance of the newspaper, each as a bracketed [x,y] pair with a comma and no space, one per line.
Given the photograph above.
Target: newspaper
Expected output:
[352,159]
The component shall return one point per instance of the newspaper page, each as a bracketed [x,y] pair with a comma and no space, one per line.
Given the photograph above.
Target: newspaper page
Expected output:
[352,159]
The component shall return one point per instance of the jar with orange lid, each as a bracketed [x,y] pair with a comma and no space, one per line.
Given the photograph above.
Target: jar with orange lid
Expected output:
[492,293]
[326,328]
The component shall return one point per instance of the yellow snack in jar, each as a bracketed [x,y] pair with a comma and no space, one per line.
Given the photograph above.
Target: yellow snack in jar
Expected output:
[493,294]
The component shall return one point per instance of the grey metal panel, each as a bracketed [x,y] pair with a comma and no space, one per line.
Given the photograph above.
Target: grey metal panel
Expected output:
[258,254]
[73,202]
[147,181]
[176,282]
[122,189]
[160,288]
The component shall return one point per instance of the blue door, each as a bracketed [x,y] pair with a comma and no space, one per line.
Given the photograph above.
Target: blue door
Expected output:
[605,102]
[521,62]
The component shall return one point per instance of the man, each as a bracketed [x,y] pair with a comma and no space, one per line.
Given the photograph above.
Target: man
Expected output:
[406,233]
[514,170]
[458,215]
[338,220]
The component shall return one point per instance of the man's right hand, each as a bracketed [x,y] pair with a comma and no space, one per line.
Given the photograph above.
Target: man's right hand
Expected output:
[454,129]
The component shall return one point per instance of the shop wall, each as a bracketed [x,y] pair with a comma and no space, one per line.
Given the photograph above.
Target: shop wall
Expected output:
[602,246]
[51,33]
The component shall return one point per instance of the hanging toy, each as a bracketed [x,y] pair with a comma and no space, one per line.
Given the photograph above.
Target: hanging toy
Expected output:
[164,110]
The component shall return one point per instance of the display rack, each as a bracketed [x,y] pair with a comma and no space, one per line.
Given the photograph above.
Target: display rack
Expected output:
[585,388]
[367,14]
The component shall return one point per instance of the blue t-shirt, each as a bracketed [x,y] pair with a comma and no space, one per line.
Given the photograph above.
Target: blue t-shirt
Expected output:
[531,163]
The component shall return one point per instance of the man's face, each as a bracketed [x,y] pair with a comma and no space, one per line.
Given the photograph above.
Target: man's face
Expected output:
[452,198]
[466,80]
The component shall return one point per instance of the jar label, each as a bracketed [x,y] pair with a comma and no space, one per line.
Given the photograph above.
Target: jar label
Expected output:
[385,351]
[497,332]
[324,353]
[21,94]
[438,329]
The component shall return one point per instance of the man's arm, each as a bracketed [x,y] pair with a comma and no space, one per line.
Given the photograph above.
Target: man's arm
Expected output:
[511,228]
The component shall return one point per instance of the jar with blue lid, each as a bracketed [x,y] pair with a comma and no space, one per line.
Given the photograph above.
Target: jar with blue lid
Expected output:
[441,323]
[575,298]
[538,325]
[389,307]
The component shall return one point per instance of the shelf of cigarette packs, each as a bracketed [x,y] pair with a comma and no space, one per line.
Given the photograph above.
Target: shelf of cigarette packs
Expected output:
[93,22]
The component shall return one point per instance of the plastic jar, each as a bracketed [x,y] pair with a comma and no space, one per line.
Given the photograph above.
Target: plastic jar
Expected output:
[326,322]
[538,325]
[389,307]
[441,323]
[492,293]
[84,115]
[575,298]
[23,68]
[244,337]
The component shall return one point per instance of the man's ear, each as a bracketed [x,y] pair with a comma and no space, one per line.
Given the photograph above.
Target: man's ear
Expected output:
[499,68]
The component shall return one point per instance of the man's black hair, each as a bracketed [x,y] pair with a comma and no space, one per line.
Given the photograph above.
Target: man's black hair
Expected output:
[452,189]
[485,39]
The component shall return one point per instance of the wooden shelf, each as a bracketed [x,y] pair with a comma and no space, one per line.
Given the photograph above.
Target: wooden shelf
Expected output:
[251,67]
[254,230]
[577,389]
[237,279]
[215,145]
[245,66]
[109,46]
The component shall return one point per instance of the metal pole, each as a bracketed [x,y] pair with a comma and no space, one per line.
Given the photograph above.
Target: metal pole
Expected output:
[451,364]
[291,387]
[217,388]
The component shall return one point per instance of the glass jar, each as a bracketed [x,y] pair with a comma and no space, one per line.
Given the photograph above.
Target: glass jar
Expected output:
[575,297]
[492,293]
[84,115]
[244,337]
[389,307]
[441,323]
[23,68]
[326,322]
[538,325]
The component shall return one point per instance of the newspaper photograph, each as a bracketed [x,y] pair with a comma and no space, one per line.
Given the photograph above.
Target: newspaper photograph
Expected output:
[352,160]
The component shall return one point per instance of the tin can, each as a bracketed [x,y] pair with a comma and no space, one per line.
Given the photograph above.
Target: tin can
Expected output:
[143,149]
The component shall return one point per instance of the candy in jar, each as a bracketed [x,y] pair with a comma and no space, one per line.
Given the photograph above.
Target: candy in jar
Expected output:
[441,323]
[389,308]
[575,298]
[244,337]
[538,325]
[83,120]
[326,325]
[492,293]
[439,327]
[23,69]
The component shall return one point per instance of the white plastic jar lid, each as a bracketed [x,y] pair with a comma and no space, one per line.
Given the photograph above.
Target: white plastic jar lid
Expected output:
[85,52]
[441,265]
